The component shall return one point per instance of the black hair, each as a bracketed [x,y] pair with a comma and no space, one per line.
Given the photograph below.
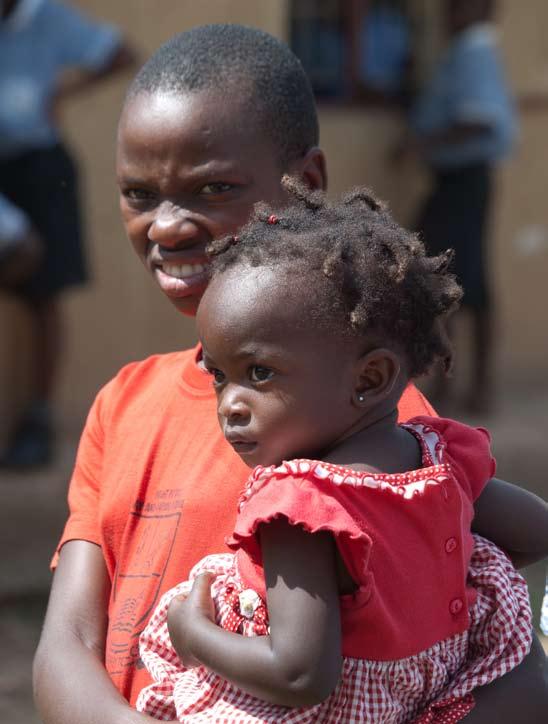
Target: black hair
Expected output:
[244,63]
[363,269]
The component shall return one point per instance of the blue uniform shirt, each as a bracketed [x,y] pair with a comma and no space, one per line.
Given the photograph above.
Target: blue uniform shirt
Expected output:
[38,41]
[468,86]
[385,49]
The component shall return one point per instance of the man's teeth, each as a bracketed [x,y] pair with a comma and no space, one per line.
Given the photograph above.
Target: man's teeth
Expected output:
[182,271]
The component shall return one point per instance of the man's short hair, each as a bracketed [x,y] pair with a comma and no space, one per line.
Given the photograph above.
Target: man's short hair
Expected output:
[249,63]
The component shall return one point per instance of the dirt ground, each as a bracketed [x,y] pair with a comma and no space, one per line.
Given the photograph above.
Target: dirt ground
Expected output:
[33,509]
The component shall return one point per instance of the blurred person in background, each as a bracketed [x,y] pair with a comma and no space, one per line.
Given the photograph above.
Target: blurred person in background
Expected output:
[20,246]
[39,41]
[385,57]
[462,124]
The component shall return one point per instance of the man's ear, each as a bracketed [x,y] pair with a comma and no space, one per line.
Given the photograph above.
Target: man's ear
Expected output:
[376,376]
[311,169]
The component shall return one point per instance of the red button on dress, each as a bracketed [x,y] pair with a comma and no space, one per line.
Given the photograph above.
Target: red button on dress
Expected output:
[456,606]
[450,545]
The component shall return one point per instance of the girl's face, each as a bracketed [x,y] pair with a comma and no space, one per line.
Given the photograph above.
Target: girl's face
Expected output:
[284,389]
[190,169]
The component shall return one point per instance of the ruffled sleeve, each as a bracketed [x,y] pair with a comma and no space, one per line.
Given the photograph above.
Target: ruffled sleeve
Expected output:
[310,495]
[467,450]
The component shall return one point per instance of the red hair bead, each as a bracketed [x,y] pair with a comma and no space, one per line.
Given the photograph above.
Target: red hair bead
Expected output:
[272,219]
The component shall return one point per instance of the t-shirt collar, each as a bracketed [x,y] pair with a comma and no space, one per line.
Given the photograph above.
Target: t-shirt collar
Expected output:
[195,379]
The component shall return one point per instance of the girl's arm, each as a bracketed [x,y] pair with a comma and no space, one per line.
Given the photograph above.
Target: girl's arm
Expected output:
[299,663]
[71,684]
[514,519]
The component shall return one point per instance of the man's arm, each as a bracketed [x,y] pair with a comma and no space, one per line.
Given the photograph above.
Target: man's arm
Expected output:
[71,684]
[514,519]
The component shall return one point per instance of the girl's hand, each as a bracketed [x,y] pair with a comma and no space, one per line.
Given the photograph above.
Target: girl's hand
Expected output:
[185,611]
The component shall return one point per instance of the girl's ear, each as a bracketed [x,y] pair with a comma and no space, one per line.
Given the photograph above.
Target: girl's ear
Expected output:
[377,372]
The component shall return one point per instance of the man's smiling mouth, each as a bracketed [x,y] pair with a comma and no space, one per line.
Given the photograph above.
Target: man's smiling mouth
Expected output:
[182,271]
[181,280]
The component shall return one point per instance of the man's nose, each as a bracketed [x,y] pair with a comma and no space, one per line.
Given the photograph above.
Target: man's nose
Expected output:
[173,228]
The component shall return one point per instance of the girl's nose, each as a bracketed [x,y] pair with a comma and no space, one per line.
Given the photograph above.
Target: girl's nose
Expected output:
[233,408]
[173,228]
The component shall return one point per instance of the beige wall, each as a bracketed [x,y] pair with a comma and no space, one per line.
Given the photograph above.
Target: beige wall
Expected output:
[123,317]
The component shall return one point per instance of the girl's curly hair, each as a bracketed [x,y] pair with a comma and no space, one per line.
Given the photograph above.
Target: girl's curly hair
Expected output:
[364,269]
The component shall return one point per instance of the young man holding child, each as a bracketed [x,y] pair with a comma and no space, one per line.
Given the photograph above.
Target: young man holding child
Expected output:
[210,125]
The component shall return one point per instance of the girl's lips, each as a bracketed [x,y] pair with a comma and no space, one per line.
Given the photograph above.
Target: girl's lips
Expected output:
[175,287]
[243,448]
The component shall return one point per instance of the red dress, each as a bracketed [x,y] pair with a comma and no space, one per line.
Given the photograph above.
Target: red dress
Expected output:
[437,611]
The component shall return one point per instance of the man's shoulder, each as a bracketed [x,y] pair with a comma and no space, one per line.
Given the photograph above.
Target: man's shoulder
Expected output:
[413,403]
[157,373]
[156,362]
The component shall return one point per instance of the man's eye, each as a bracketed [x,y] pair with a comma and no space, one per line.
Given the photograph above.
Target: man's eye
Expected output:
[216,188]
[218,376]
[137,194]
[260,374]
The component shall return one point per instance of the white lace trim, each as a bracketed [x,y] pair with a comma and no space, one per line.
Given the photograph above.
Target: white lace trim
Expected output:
[407,484]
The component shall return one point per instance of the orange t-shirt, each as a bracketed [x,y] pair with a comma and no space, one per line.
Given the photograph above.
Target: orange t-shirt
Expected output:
[156,486]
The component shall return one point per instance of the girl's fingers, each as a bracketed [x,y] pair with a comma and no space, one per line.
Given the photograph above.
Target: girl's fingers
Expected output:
[201,594]
[202,583]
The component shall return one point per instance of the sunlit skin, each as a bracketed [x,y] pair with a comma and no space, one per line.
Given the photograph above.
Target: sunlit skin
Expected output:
[287,390]
[190,168]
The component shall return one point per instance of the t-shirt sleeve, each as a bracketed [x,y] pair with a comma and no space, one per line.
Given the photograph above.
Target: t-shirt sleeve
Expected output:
[308,501]
[84,488]
[468,451]
[80,41]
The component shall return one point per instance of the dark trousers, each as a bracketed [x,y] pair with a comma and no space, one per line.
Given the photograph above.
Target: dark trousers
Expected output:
[455,216]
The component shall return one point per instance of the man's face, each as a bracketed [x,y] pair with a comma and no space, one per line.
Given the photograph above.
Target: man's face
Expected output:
[190,168]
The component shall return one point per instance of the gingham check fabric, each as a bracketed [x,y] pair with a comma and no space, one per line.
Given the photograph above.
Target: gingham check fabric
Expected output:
[434,686]
[544,611]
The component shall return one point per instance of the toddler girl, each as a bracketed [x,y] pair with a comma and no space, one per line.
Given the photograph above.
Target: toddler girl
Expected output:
[356,592]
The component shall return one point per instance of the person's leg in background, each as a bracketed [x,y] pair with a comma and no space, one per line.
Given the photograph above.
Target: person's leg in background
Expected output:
[46,186]
[435,231]
[475,272]
[455,217]
[32,439]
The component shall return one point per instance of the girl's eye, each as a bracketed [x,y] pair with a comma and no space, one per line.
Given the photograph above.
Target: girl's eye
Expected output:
[260,374]
[216,188]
